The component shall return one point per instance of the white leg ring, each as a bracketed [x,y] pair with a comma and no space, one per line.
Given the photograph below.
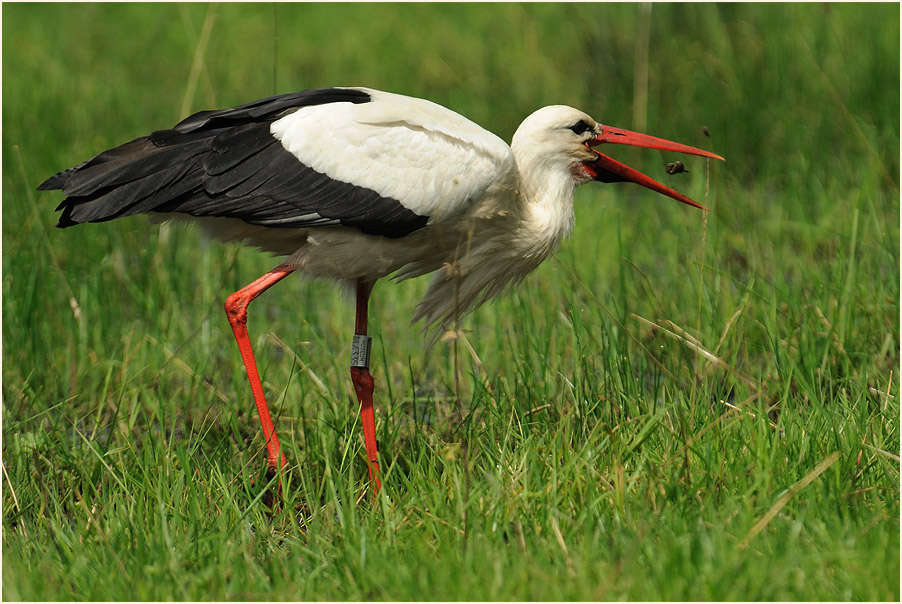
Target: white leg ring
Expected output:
[360,351]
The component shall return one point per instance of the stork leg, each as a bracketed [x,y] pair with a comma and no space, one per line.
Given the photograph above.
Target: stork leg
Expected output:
[236,310]
[363,381]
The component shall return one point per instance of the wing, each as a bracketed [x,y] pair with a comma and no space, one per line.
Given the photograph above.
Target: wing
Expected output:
[385,164]
[432,160]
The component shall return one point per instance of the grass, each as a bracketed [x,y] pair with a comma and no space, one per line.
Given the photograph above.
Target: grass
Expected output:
[679,406]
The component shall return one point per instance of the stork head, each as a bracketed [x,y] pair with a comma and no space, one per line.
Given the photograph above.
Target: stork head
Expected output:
[561,139]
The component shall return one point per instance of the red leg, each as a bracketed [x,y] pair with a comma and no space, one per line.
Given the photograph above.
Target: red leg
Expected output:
[236,309]
[363,381]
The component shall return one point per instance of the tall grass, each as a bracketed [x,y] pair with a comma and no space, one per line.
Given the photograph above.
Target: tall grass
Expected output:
[680,405]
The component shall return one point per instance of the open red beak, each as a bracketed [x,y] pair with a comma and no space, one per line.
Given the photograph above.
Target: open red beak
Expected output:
[605,169]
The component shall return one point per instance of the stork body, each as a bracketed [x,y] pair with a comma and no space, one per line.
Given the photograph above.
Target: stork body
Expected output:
[354,184]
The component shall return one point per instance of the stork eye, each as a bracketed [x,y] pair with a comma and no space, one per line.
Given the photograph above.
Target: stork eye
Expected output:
[580,127]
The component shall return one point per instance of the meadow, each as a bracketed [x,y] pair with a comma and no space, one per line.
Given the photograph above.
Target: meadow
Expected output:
[680,405]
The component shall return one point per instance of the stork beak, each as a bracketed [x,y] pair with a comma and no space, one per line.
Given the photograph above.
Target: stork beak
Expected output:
[605,169]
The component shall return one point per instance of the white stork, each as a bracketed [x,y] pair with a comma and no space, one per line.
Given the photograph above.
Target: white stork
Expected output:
[354,184]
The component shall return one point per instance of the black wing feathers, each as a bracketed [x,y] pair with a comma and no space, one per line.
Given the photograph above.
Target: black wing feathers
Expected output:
[226,163]
[270,108]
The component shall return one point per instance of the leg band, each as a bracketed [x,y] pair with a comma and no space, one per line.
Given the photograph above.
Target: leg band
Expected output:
[360,351]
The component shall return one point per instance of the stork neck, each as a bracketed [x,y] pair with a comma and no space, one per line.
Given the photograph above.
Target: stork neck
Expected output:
[549,208]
